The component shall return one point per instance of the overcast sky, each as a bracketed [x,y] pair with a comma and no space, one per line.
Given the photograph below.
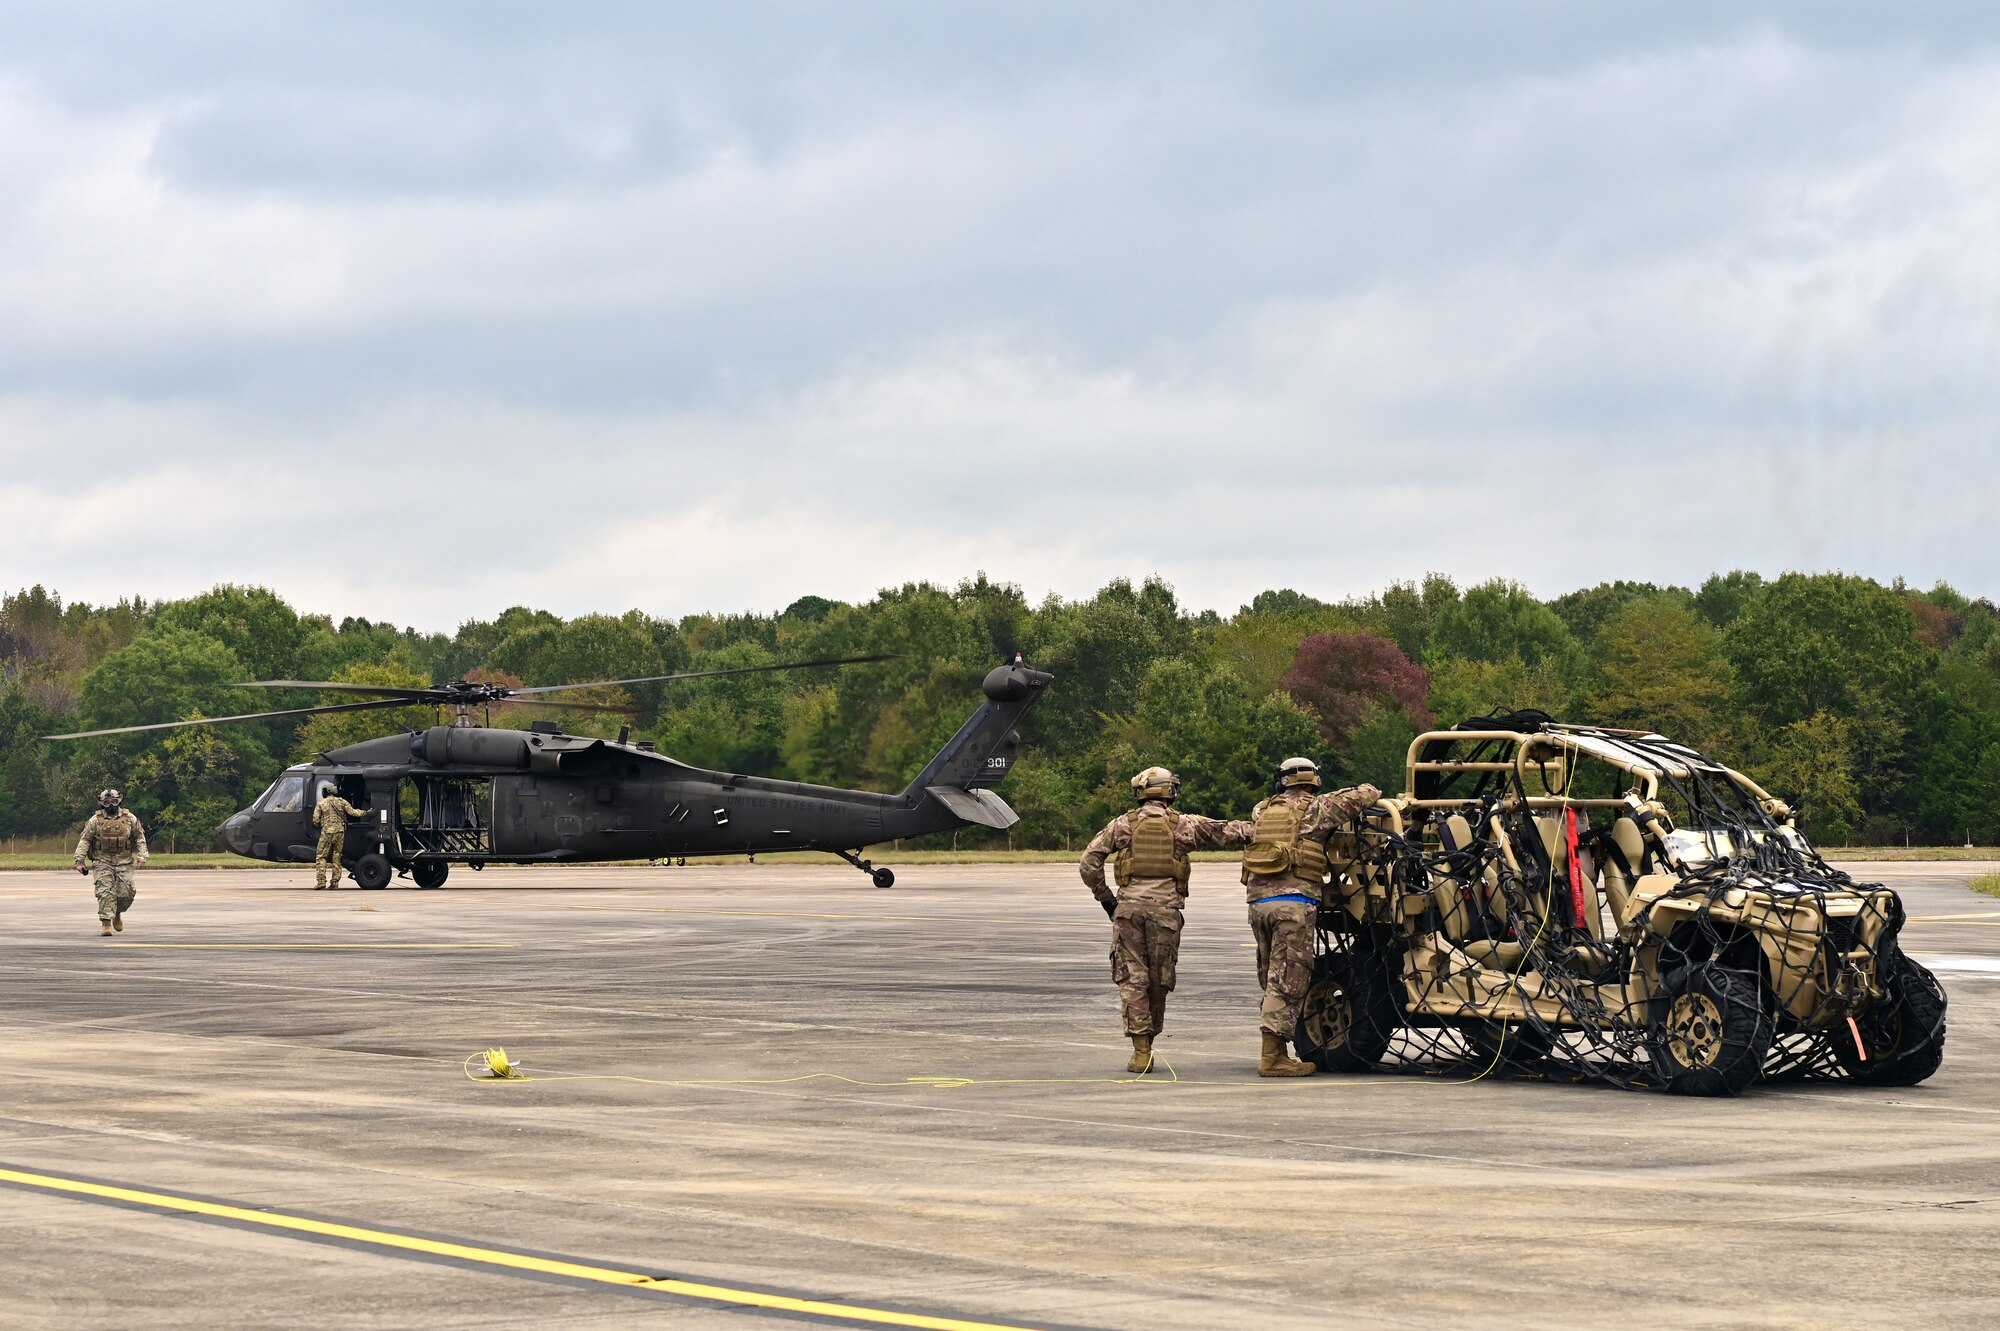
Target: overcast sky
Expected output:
[416,312]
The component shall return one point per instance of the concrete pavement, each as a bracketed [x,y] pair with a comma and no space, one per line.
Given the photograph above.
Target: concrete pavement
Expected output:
[738,1045]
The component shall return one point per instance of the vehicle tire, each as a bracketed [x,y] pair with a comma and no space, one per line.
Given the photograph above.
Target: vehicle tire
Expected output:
[373,872]
[429,873]
[1710,1031]
[1493,1045]
[883,878]
[1348,1014]
[1904,1033]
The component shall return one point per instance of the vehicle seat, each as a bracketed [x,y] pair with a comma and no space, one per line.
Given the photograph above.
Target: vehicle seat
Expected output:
[1631,844]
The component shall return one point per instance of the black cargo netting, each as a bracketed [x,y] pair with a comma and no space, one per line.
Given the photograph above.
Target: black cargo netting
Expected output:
[1514,936]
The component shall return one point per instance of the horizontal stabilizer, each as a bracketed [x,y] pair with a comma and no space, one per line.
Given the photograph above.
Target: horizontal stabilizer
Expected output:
[976,806]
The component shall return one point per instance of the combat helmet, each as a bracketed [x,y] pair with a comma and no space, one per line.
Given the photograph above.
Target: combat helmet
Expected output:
[109,799]
[1156,783]
[1297,772]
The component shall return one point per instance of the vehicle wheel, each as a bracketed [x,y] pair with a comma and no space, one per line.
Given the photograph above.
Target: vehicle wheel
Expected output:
[1348,1014]
[1495,1044]
[373,872]
[1710,1031]
[429,873]
[883,878]
[1904,1033]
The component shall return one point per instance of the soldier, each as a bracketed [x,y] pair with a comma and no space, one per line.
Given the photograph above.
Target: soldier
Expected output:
[1152,844]
[113,844]
[1284,868]
[331,817]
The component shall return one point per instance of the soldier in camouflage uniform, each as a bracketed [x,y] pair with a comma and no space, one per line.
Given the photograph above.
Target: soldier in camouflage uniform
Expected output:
[1151,844]
[113,844]
[331,818]
[1284,868]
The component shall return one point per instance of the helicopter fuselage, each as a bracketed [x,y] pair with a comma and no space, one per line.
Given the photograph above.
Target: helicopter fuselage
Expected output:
[474,796]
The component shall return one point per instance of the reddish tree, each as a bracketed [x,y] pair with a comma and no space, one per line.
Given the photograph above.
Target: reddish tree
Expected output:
[1342,677]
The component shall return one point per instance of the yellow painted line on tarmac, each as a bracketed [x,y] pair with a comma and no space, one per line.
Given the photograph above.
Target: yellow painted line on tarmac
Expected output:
[496,1258]
[322,947]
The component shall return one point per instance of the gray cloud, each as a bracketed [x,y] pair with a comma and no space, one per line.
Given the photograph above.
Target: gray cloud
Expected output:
[730,309]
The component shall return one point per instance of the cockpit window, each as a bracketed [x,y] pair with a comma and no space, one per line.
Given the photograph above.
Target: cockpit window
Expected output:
[287,796]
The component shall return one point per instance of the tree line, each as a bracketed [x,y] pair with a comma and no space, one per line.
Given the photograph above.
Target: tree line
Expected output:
[1874,708]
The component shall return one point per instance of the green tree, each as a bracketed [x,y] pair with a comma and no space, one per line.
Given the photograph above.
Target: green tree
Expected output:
[1810,767]
[192,782]
[1498,620]
[1827,642]
[1725,596]
[1661,667]
[1461,689]
[254,623]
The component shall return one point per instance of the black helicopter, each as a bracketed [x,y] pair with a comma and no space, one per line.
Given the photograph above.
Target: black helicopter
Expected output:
[473,795]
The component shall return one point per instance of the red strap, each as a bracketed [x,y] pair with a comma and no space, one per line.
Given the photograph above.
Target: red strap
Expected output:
[1576,894]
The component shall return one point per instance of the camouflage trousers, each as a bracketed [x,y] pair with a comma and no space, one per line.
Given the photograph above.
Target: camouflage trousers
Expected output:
[113,882]
[1284,931]
[1145,945]
[326,862]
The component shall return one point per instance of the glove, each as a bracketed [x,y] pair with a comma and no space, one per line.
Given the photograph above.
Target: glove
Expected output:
[1110,907]
[1369,793]
[80,868]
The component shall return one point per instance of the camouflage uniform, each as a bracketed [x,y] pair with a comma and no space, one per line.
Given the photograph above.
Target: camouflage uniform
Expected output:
[1284,908]
[331,817]
[112,844]
[1146,927]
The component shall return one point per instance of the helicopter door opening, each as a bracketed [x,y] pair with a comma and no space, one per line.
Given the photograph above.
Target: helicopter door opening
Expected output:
[445,815]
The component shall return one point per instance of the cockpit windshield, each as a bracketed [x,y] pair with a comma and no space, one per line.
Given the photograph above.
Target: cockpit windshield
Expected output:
[287,796]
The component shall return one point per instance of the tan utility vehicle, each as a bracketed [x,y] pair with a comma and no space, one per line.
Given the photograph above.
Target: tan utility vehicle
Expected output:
[1607,905]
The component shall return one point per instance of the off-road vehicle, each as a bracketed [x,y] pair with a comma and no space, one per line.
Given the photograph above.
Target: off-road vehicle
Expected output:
[1606,905]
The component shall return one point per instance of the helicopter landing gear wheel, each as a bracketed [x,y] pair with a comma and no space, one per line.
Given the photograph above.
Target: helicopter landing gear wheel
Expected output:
[373,872]
[429,873]
[880,877]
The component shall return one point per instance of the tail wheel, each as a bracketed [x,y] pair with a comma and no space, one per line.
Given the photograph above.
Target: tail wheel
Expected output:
[883,878]
[1348,1014]
[1903,1034]
[1710,1030]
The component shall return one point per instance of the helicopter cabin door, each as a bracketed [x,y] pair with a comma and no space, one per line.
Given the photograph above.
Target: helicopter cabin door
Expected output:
[450,816]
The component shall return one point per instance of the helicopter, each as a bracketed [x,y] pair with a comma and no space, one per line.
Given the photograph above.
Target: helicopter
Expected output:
[477,795]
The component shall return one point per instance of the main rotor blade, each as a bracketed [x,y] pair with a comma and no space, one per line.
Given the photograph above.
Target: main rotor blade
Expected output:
[225,720]
[710,674]
[566,706]
[379,690]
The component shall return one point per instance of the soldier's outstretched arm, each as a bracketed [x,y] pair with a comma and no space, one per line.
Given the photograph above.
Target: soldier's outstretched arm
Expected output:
[1344,806]
[1195,832]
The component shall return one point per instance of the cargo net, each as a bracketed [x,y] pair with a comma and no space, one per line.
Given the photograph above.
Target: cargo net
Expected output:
[1519,938]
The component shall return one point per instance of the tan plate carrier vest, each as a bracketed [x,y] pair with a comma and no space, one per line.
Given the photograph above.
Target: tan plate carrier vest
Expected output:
[1277,850]
[1153,852]
[113,837]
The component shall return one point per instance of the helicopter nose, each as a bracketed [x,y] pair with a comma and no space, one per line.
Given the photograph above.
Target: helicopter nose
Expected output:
[234,834]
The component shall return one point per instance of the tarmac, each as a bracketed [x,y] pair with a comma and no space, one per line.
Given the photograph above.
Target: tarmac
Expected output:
[772,1091]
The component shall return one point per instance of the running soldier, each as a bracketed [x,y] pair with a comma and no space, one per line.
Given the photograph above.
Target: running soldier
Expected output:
[113,845]
[1151,844]
[1284,869]
[331,818]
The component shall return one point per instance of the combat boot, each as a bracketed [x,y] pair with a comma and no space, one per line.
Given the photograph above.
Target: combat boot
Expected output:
[118,920]
[1273,1063]
[104,927]
[1142,1055]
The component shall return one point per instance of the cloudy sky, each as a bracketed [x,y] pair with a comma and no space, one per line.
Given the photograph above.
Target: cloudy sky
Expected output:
[418,312]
